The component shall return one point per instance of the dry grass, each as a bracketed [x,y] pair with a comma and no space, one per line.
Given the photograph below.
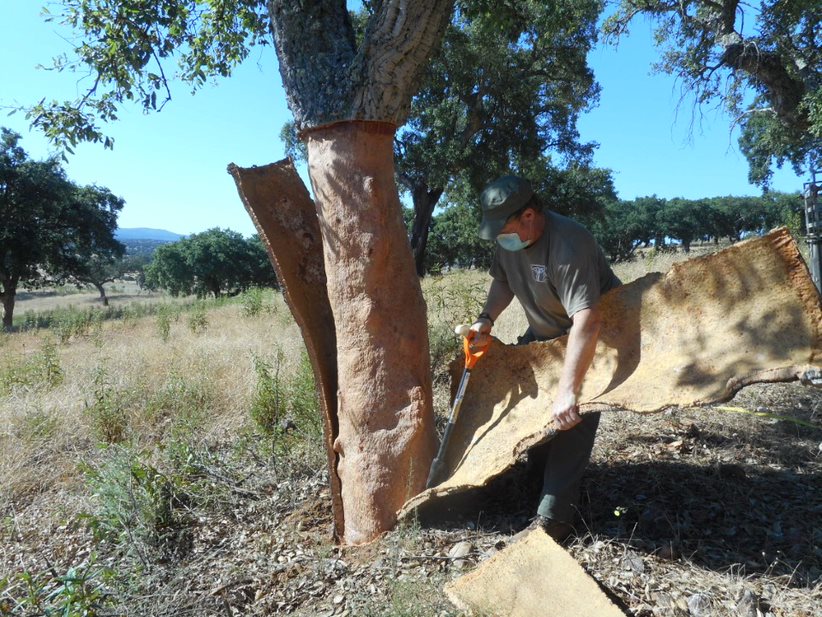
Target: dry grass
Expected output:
[667,505]
[45,430]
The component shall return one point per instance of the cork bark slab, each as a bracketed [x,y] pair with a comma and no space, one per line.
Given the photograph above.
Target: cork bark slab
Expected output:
[282,210]
[534,576]
[691,337]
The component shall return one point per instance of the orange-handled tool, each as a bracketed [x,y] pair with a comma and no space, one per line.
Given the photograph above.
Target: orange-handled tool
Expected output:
[472,356]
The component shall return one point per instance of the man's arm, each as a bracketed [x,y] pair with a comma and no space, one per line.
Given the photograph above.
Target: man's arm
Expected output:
[499,297]
[582,342]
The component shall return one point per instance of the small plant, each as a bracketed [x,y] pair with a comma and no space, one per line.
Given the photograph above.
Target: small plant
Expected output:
[38,426]
[198,319]
[268,407]
[80,592]
[180,399]
[140,508]
[253,302]
[108,419]
[165,316]
[41,371]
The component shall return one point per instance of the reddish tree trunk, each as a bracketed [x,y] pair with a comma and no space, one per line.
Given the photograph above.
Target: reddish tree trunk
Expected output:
[386,437]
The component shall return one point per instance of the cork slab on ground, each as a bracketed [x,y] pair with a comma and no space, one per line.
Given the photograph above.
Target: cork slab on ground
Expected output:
[534,576]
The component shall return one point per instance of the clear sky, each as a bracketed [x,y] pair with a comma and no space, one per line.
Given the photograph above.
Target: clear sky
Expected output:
[170,167]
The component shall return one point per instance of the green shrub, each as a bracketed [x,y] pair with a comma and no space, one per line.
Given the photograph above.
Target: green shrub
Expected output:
[268,407]
[80,592]
[140,508]
[41,370]
[253,302]
[109,419]
[183,400]
[165,315]
[38,425]
[286,408]
[198,318]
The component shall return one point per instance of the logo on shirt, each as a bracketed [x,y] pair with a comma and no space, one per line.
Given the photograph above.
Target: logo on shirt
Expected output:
[539,273]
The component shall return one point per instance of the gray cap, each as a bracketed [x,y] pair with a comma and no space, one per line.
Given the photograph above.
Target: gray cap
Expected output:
[501,199]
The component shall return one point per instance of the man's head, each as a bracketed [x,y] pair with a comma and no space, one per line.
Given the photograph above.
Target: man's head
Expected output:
[510,206]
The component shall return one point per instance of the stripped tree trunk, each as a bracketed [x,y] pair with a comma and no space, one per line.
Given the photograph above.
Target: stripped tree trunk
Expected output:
[348,101]
[386,439]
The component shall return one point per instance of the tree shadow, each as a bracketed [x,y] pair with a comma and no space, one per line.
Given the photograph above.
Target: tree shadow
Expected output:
[766,521]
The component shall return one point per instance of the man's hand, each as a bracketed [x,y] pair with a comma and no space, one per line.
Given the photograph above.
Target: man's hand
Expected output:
[566,411]
[480,332]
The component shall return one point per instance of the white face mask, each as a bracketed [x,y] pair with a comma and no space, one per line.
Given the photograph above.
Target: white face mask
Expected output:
[512,242]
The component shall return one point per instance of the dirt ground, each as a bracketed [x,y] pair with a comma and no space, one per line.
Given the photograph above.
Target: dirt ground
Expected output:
[687,512]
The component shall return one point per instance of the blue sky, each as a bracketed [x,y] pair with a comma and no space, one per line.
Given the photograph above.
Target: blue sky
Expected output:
[170,166]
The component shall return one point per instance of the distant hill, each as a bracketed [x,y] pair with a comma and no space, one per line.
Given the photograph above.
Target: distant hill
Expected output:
[144,233]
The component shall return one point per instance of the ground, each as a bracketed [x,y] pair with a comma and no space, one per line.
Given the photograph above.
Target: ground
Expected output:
[143,481]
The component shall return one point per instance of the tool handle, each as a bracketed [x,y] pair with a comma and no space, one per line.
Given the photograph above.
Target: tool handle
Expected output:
[472,352]
[439,463]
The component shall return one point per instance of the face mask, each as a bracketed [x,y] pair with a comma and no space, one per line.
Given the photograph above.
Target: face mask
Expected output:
[512,242]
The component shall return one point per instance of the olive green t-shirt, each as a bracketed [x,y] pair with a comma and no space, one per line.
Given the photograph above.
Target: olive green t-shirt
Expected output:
[563,272]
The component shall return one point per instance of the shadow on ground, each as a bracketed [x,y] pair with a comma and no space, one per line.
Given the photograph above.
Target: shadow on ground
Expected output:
[766,521]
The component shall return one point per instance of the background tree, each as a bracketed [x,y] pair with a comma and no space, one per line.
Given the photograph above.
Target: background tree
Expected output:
[49,227]
[502,95]
[214,262]
[98,271]
[761,61]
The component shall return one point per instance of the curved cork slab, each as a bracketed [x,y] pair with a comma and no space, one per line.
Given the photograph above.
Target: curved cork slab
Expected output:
[691,337]
[282,210]
[534,576]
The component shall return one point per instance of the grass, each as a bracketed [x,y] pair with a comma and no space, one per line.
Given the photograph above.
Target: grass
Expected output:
[159,451]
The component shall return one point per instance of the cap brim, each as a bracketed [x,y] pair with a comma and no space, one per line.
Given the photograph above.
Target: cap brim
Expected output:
[490,228]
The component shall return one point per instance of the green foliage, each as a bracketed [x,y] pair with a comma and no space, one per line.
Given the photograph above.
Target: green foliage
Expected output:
[106,411]
[140,509]
[165,315]
[760,61]
[213,262]
[503,94]
[41,370]
[286,408]
[626,225]
[254,302]
[269,405]
[125,45]
[72,323]
[81,592]
[49,227]
[198,318]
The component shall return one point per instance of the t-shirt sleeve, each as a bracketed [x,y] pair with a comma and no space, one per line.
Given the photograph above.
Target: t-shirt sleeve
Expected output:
[576,276]
[496,270]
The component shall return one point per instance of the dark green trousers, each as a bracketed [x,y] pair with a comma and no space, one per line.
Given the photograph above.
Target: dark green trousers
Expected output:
[567,456]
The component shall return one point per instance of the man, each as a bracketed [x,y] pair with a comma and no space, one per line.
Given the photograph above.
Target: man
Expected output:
[556,270]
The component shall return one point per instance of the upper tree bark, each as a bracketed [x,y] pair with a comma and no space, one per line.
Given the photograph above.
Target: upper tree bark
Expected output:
[327,79]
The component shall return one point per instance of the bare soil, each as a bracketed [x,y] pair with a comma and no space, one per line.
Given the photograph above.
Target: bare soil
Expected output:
[687,512]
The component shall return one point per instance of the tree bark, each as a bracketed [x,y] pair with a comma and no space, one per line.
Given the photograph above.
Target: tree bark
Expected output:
[386,437]
[8,295]
[102,291]
[424,203]
[328,79]
[347,102]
